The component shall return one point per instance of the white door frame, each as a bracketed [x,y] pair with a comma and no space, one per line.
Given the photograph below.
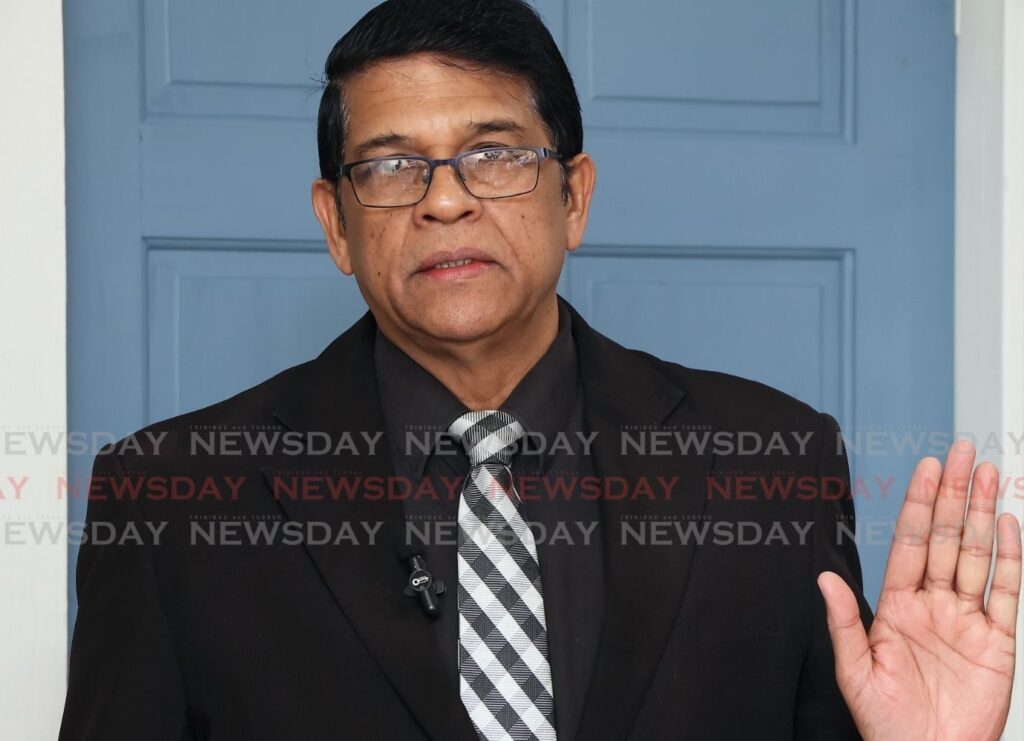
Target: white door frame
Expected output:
[989,275]
[33,570]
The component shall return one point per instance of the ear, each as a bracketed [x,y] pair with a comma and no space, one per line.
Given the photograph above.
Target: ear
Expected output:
[581,180]
[326,206]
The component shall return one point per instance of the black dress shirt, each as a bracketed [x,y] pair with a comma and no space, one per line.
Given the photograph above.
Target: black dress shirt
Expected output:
[548,402]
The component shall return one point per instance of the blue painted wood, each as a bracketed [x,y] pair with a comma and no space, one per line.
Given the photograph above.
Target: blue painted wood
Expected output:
[736,296]
[862,169]
[221,320]
[774,199]
[731,65]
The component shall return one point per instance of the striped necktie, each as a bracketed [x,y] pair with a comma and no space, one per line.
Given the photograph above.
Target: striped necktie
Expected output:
[504,675]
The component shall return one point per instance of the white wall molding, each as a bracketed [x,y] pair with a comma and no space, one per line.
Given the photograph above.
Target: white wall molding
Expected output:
[989,323]
[33,577]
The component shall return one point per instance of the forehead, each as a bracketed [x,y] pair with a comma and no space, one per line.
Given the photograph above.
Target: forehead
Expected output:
[423,97]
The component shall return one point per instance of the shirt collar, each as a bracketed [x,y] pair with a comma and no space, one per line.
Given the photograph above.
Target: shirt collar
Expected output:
[418,407]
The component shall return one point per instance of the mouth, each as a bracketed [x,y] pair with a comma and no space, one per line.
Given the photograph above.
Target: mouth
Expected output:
[462,263]
[452,264]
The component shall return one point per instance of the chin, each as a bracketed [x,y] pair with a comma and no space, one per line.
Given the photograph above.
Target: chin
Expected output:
[463,324]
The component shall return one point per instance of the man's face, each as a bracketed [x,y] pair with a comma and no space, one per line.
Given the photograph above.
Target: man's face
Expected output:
[417,105]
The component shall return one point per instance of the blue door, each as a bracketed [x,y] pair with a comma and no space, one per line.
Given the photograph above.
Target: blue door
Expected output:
[774,200]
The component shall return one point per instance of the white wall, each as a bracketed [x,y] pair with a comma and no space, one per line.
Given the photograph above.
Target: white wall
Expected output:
[33,579]
[989,329]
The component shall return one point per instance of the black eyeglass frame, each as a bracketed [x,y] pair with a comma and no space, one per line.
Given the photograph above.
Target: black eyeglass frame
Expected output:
[541,152]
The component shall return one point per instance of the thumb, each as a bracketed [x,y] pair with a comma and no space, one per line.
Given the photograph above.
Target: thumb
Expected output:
[849,639]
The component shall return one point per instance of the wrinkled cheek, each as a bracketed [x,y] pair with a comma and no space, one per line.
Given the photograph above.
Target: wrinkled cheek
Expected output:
[375,258]
[378,231]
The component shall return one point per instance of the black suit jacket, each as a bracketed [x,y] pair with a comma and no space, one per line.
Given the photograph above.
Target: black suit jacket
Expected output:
[700,640]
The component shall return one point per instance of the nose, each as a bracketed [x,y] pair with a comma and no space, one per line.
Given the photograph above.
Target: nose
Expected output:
[447,200]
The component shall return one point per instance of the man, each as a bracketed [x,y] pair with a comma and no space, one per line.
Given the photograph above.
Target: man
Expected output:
[453,182]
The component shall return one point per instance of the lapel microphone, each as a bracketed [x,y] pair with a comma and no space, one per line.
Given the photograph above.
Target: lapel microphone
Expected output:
[421,584]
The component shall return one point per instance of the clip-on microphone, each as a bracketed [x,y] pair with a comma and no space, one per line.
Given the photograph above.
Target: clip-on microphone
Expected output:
[421,583]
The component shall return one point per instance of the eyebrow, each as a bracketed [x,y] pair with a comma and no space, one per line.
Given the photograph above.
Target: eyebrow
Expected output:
[389,139]
[393,139]
[497,126]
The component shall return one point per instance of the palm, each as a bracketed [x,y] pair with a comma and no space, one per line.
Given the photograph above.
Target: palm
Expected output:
[938,663]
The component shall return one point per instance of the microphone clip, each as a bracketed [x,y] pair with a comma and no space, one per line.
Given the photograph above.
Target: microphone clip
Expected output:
[423,586]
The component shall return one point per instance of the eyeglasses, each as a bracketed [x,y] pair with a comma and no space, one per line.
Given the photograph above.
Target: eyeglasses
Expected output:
[497,172]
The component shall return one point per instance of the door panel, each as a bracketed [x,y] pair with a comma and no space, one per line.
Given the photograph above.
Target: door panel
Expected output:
[220,320]
[775,199]
[665,301]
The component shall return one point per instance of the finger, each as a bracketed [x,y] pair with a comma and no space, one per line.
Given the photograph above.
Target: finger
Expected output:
[849,639]
[975,559]
[909,552]
[1005,594]
[948,517]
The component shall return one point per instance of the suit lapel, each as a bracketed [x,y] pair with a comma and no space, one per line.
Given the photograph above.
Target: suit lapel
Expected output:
[644,584]
[338,394]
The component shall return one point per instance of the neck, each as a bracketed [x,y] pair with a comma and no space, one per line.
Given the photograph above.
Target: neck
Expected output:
[481,374]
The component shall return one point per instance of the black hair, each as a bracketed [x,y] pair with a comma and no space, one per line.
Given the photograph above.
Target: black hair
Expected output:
[506,35]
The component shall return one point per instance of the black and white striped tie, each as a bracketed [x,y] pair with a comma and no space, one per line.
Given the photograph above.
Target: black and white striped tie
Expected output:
[504,675]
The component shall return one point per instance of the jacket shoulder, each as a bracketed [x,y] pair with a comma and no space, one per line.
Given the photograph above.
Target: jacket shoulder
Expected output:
[722,399]
[735,401]
[257,404]
[254,404]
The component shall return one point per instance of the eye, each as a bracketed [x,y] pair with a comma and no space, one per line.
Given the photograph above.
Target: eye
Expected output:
[498,155]
[395,167]
[398,166]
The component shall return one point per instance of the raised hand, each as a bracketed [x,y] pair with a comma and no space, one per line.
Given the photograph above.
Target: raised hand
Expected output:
[938,662]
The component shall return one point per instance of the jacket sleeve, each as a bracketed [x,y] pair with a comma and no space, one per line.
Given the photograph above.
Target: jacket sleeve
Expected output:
[124,679]
[821,712]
